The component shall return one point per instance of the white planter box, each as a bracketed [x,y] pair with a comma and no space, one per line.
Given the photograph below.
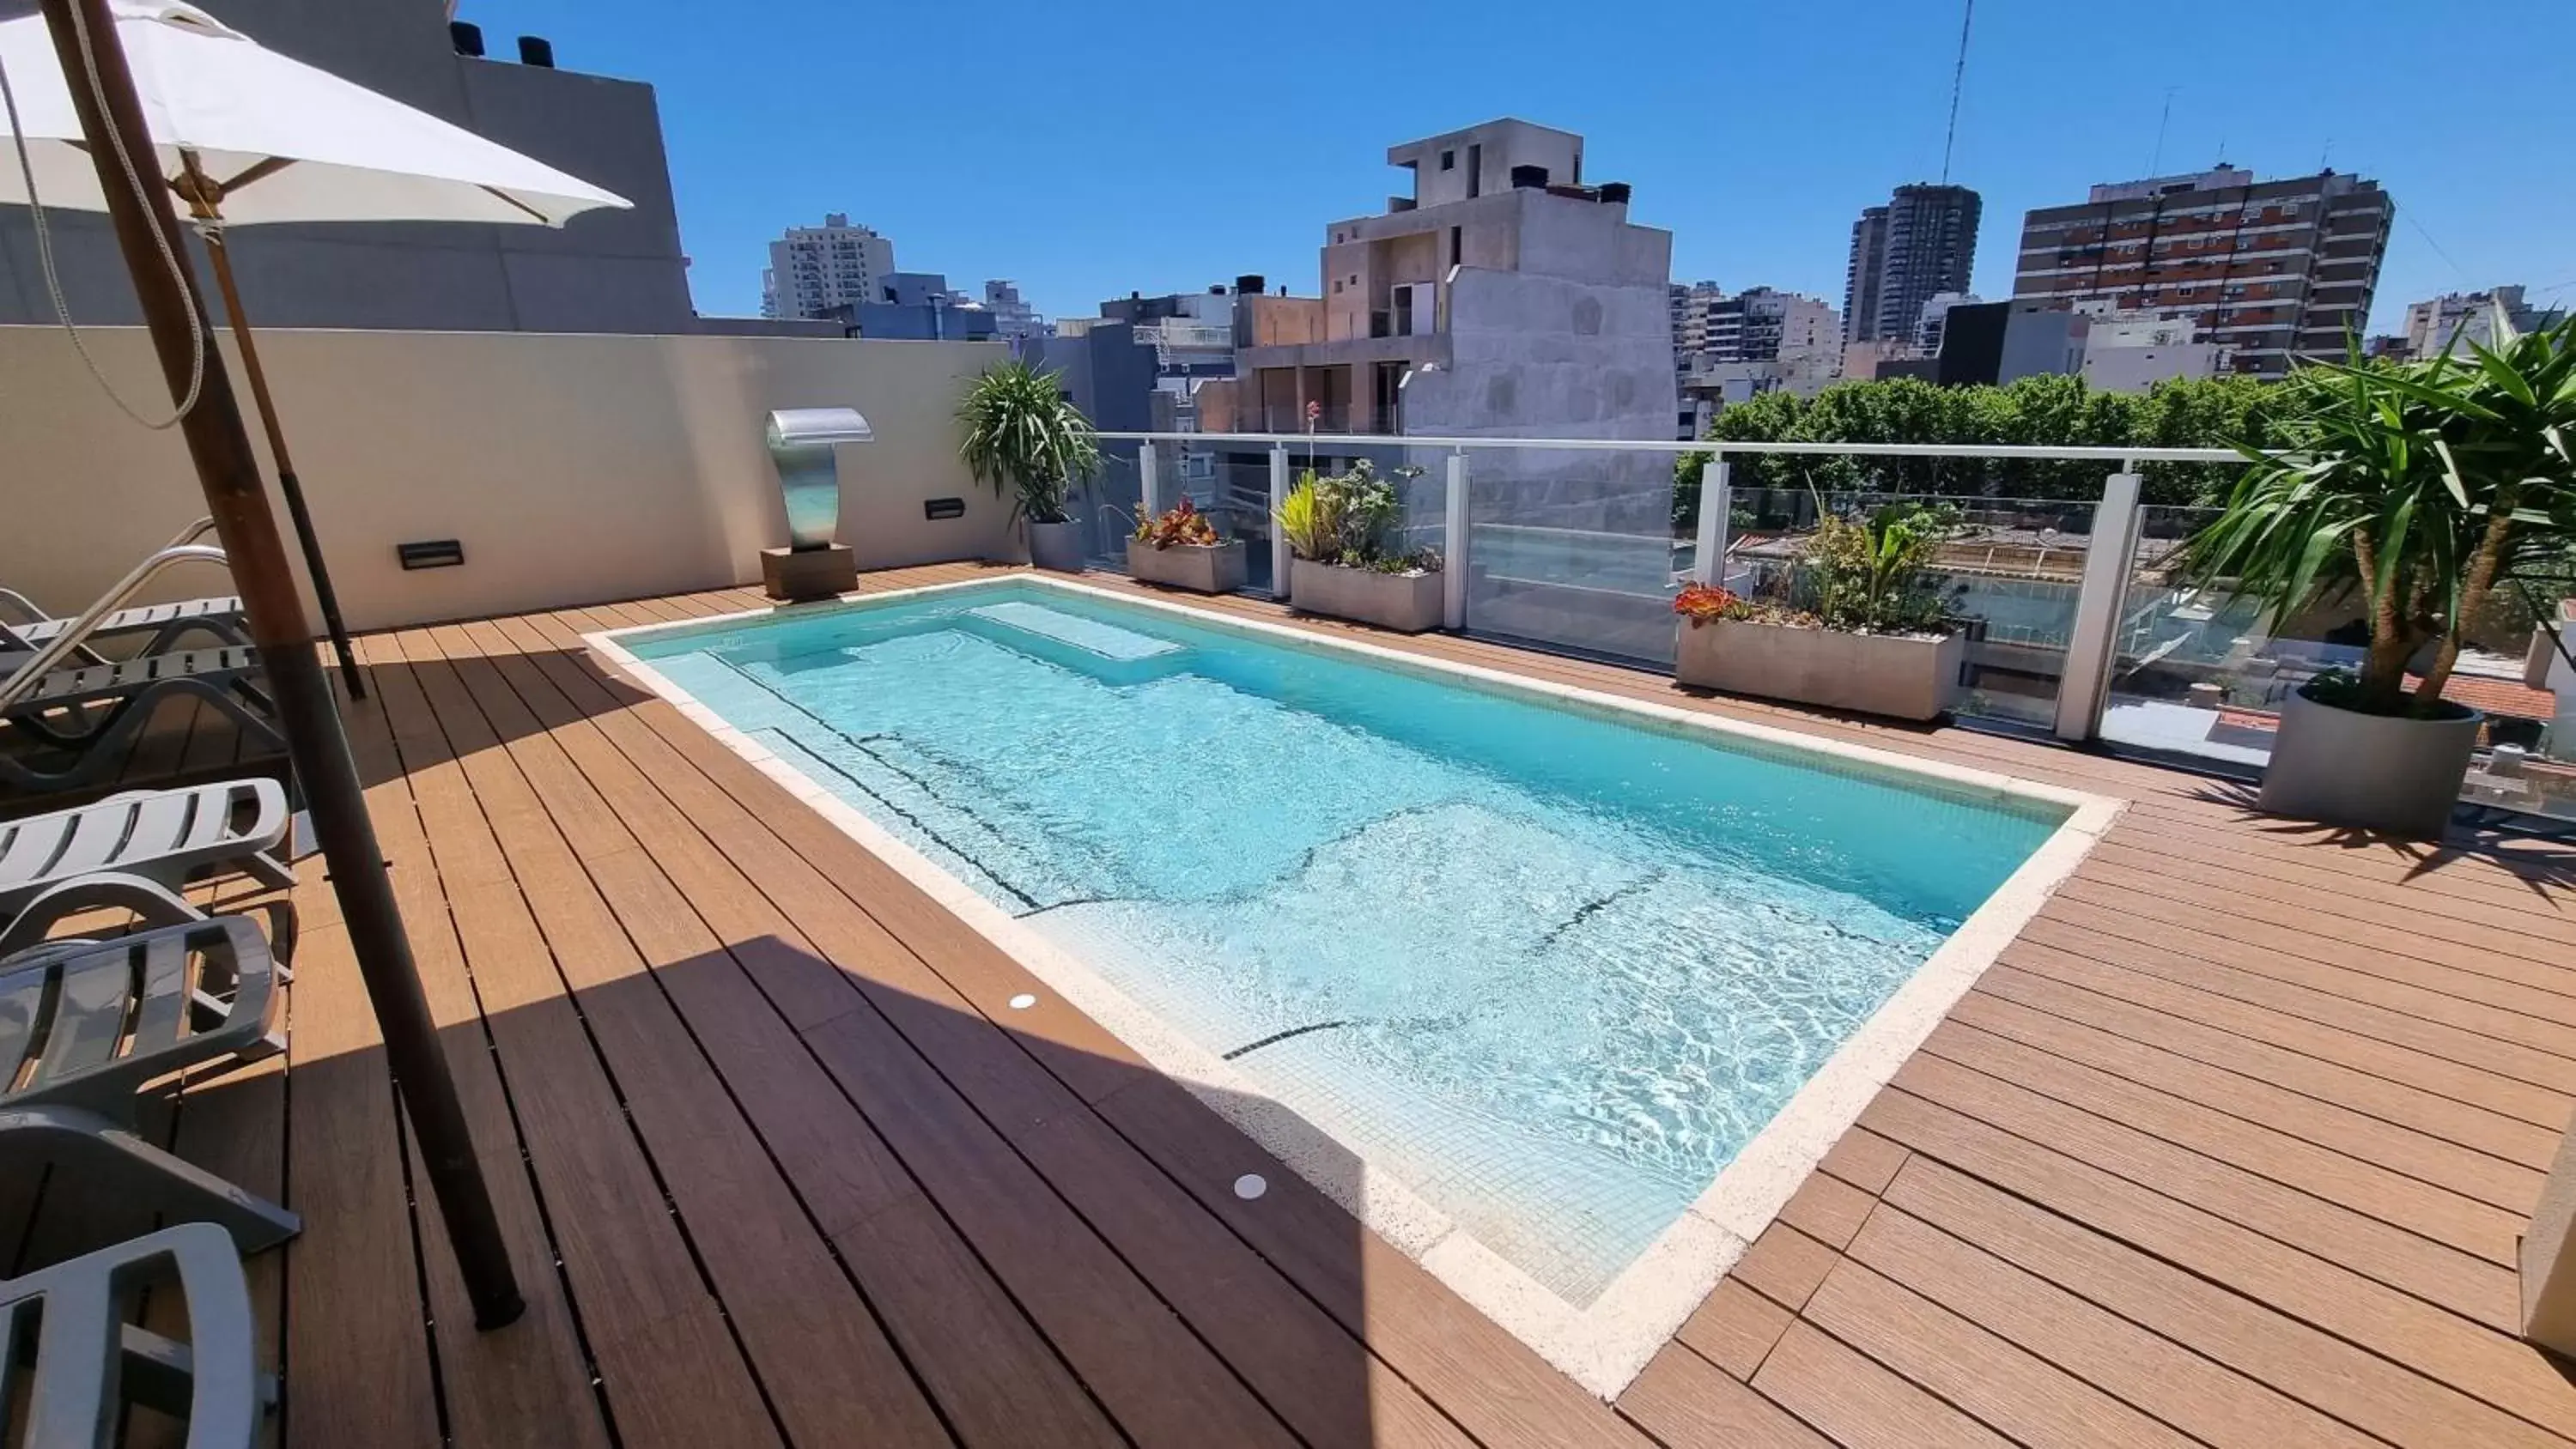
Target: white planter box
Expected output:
[1196,567]
[1899,676]
[1406,603]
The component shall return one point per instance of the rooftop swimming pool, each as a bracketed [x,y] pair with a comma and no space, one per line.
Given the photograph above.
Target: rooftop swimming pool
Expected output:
[1563,977]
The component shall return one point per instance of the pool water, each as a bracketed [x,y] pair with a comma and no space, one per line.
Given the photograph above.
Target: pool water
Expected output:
[1550,970]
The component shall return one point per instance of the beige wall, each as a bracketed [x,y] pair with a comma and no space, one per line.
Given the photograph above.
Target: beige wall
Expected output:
[574,469]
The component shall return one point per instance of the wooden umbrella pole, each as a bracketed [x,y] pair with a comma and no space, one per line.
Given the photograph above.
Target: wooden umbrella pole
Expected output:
[205,199]
[147,232]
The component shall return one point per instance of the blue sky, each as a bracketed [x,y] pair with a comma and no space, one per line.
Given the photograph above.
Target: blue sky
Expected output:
[1092,150]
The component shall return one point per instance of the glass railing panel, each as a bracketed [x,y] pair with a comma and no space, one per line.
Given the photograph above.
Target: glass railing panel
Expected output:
[1573,548]
[2010,571]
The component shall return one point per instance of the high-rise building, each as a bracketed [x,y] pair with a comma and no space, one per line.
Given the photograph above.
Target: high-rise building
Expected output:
[813,269]
[1922,243]
[2272,270]
[2450,322]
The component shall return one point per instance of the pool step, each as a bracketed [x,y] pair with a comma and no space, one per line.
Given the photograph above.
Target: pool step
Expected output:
[1102,651]
[964,843]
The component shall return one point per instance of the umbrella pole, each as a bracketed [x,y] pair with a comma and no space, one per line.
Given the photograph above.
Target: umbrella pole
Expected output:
[296,512]
[228,471]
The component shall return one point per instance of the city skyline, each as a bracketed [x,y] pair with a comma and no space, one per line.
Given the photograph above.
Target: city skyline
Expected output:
[1076,191]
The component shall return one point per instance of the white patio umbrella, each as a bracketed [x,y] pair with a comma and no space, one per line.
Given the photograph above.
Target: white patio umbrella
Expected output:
[245,135]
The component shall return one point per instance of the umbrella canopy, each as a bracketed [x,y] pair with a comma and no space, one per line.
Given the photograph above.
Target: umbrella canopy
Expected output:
[283,141]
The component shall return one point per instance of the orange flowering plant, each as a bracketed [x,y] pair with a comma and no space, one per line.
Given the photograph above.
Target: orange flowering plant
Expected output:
[1182,526]
[1701,603]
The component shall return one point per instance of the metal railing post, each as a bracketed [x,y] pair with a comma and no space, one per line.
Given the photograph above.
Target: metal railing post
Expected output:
[2108,562]
[1453,547]
[1149,481]
[1280,556]
[1716,505]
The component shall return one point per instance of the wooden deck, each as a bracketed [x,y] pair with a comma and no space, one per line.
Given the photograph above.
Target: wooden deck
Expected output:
[2231,1147]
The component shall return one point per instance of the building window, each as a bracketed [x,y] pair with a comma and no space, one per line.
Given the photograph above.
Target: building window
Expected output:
[1448,160]
[1455,234]
[1337,284]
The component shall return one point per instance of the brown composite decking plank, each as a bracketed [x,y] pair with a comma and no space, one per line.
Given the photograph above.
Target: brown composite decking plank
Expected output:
[2348,924]
[1220,1401]
[2484,1291]
[2041,986]
[2143,1369]
[1827,1209]
[2352,1183]
[2016,1393]
[1864,1159]
[2209,1317]
[1734,1328]
[2464,883]
[2502,1096]
[2507,1186]
[2493,1022]
[362,1377]
[2531,936]
[1531,1398]
[531,1384]
[2402,1329]
[632,1279]
[1854,1401]
[2515,985]
[1683,1401]
[808,1338]
[1784,1265]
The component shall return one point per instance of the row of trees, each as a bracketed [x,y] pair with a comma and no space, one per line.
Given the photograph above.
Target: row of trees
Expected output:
[2221,412]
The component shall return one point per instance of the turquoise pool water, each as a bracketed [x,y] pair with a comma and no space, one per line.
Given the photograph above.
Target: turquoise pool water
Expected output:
[1550,970]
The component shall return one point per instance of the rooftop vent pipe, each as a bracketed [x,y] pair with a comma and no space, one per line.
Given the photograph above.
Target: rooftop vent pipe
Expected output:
[466,37]
[536,50]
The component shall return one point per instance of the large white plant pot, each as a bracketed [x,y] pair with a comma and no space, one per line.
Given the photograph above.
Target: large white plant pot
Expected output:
[2372,771]
[1056,546]
[1900,676]
[1200,568]
[1407,603]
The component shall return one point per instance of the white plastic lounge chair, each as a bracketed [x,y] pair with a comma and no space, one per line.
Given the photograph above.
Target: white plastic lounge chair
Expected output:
[92,709]
[85,1025]
[136,851]
[65,1323]
[219,619]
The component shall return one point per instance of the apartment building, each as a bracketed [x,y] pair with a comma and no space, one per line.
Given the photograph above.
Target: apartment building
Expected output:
[815,269]
[605,271]
[1695,307]
[1922,243]
[2452,321]
[2274,271]
[1756,341]
[1502,297]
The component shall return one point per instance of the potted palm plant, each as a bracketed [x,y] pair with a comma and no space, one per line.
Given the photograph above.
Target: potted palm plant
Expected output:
[1028,443]
[1855,624]
[2417,489]
[1338,527]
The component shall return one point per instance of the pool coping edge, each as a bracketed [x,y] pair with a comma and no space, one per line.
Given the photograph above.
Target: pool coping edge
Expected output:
[1604,1346]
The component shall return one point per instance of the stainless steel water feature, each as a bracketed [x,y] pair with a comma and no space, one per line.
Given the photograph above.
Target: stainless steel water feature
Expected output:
[800,443]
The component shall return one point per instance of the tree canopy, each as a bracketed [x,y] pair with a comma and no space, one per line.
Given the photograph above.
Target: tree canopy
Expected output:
[2220,412]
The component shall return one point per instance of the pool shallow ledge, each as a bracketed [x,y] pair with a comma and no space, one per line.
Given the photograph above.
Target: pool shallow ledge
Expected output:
[1602,1345]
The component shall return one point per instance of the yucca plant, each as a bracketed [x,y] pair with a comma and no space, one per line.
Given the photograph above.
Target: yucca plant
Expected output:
[2421,488]
[1025,440]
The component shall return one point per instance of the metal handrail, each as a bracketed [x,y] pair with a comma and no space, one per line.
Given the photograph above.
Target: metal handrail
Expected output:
[30,674]
[2128,458]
